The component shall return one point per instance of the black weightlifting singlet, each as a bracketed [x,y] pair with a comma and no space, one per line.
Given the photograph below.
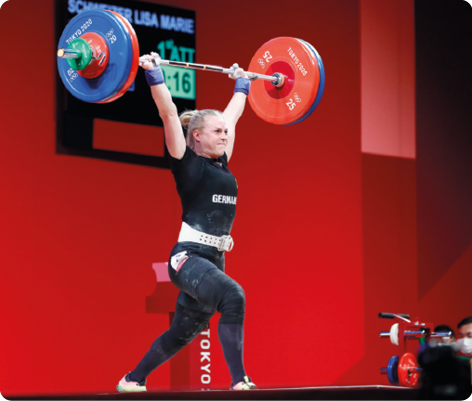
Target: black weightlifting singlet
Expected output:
[207,190]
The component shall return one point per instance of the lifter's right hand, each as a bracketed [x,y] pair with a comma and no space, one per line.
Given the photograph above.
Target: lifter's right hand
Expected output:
[237,72]
[153,61]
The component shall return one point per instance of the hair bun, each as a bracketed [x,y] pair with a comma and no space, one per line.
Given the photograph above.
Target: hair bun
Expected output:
[186,116]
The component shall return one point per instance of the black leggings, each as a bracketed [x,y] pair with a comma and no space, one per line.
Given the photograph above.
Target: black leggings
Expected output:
[205,288]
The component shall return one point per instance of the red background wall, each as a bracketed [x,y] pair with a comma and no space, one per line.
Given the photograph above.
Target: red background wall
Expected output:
[326,235]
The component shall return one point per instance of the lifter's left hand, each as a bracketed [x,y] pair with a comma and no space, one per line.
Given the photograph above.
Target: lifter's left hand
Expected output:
[153,60]
[237,73]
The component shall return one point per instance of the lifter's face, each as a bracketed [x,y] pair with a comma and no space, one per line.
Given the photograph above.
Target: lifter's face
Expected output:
[465,331]
[212,141]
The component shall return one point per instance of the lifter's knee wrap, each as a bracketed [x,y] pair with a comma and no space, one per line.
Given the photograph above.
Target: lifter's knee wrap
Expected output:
[233,304]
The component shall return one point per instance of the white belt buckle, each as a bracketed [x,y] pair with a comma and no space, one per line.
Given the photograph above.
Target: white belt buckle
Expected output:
[226,242]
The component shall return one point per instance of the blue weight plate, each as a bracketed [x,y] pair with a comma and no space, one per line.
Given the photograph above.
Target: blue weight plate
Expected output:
[120,56]
[321,85]
[392,370]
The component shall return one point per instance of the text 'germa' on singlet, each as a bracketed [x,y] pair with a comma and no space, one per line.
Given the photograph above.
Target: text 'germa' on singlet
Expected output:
[207,190]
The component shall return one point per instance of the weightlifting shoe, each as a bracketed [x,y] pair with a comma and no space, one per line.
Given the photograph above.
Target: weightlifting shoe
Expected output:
[246,384]
[127,386]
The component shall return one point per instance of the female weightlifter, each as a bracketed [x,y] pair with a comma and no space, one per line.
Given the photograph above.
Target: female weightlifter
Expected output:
[208,192]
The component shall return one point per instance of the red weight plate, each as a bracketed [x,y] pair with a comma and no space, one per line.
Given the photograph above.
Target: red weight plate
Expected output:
[99,45]
[289,103]
[407,374]
[135,65]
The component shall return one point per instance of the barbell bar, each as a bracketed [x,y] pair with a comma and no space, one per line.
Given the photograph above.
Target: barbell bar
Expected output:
[393,334]
[276,79]
[290,70]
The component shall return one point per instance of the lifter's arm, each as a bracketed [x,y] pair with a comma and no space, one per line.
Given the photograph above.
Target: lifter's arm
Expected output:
[175,140]
[234,111]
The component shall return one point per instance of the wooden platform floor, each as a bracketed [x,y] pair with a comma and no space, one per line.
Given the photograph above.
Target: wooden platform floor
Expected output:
[373,392]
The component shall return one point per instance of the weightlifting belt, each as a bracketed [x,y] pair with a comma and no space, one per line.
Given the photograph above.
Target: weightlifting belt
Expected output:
[189,234]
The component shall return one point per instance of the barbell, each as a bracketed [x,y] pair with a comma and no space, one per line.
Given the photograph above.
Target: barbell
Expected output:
[98,59]
[403,371]
[407,329]
[394,334]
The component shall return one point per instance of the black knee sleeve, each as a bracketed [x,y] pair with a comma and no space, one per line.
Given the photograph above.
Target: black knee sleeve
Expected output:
[185,327]
[224,294]
[233,304]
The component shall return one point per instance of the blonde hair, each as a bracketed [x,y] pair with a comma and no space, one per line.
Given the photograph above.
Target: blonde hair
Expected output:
[195,120]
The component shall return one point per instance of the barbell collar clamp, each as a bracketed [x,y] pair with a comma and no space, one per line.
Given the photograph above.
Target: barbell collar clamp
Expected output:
[280,80]
[102,56]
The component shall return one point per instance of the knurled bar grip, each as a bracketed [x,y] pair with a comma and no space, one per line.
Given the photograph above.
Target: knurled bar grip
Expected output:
[215,68]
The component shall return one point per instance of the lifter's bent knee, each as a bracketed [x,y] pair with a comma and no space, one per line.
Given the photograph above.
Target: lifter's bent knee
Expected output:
[233,305]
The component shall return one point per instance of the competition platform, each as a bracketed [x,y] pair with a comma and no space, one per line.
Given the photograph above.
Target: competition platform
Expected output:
[372,392]
[402,372]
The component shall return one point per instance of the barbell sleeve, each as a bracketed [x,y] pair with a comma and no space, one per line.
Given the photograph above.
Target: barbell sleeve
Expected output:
[69,53]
